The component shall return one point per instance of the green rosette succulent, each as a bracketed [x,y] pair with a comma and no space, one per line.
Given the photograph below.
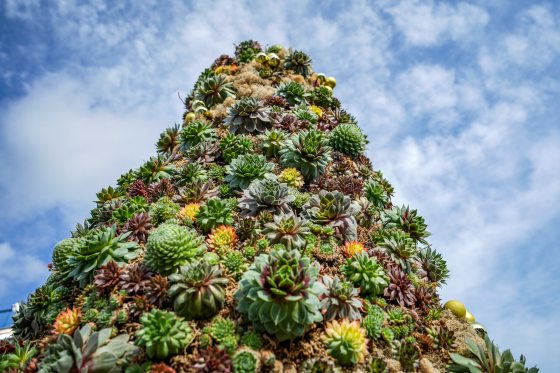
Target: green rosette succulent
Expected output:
[214,213]
[163,334]
[247,115]
[335,210]
[213,90]
[198,290]
[348,139]
[408,220]
[279,294]
[171,246]
[299,62]
[98,250]
[287,229]
[63,251]
[364,271]
[266,195]
[246,168]
[87,352]
[307,151]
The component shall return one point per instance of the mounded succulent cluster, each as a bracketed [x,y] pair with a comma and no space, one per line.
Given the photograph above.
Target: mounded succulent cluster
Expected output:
[258,238]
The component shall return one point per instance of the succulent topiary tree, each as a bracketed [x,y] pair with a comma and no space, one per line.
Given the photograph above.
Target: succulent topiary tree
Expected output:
[258,237]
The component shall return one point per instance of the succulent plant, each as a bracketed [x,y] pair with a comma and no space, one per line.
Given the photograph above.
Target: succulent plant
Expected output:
[171,246]
[352,248]
[247,115]
[292,177]
[214,90]
[346,341]
[156,168]
[163,334]
[407,354]
[400,289]
[265,195]
[108,194]
[292,92]
[213,213]
[192,172]
[213,359]
[431,266]
[156,289]
[232,146]
[488,359]
[196,192]
[245,361]
[335,210]
[18,359]
[198,290]
[133,278]
[162,210]
[287,229]
[373,321]
[63,251]
[204,152]
[279,294]
[252,340]
[168,142]
[271,141]
[364,272]
[67,321]
[348,139]
[308,152]
[298,62]
[138,188]
[341,300]
[139,226]
[99,249]
[247,50]
[222,239]
[322,96]
[408,220]
[246,168]
[196,133]
[87,352]
[107,277]
[400,248]
[376,194]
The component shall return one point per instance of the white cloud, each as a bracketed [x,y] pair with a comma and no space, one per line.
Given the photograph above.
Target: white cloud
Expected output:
[428,23]
[19,269]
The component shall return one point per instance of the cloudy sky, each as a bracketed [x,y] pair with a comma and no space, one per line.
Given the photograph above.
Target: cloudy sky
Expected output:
[459,99]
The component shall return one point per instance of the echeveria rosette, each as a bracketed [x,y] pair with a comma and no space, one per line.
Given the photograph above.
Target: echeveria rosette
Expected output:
[266,195]
[246,168]
[364,272]
[335,210]
[279,294]
[307,151]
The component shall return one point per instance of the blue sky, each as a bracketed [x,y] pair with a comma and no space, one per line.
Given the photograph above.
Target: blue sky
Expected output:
[460,102]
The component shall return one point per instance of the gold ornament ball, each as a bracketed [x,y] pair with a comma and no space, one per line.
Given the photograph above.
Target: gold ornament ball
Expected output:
[331,82]
[457,308]
[273,60]
[470,318]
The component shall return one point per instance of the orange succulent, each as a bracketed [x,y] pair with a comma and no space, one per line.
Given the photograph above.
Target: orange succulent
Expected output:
[222,238]
[67,321]
[352,248]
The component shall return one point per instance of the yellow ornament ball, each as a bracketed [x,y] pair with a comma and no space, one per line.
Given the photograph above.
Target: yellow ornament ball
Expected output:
[457,308]
[470,318]
[331,82]
[189,117]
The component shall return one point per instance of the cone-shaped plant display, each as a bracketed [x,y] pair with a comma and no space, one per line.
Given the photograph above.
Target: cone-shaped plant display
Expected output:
[257,238]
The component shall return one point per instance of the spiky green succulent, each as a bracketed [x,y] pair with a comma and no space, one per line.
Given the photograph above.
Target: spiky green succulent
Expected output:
[322,96]
[335,210]
[247,50]
[247,115]
[308,151]
[99,249]
[171,246]
[156,168]
[245,361]
[408,220]
[17,360]
[198,290]
[163,334]
[341,300]
[376,194]
[213,90]
[191,173]
[348,139]
[163,210]
[168,141]
[246,168]
[265,195]
[287,229]
[63,250]
[364,272]
[232,146]
[346,342]
[213,213]
[298,62]
[431,266]
[488,358]
[108,194]
[88,351]
[280,293]
[373,321]
[196,133]
[271,141]
[400,247]
[293,92]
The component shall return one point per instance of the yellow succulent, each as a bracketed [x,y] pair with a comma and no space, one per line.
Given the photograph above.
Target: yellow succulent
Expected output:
[188,212]
[67,321]
[292,177]
[222,238]
[316,110]
[352,248]
[346,341]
